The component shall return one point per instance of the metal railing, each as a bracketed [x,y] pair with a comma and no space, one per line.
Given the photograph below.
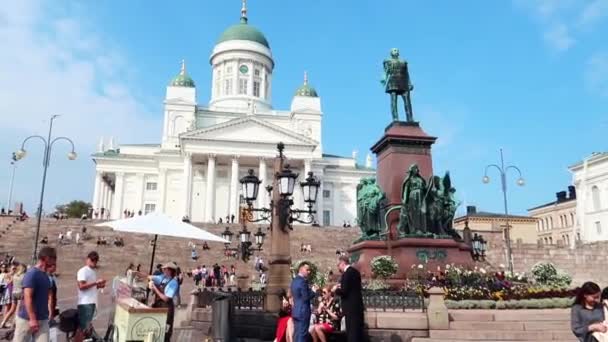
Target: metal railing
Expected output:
[392,300]
[373,300]
[250,300]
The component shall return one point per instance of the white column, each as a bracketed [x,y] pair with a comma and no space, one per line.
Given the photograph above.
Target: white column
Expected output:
[102,195]
[263,175]
[336,204]
[162,190]
[263,83]
[141,178]
[187,179]
[210,193]
[97,191]
[107,195]
[118,196]
[320,204]
[110,202]
[233,208]
[297,191]
[307,167]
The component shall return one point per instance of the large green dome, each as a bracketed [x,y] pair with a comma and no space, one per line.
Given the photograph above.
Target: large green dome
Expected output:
[243,31]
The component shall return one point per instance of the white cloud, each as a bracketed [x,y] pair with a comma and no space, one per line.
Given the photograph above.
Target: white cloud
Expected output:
[562,21]
[54,63]
[58,65]
[593,12]
[596,73]
[558,36]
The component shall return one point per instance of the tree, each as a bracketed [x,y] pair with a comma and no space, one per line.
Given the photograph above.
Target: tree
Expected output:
[74,209]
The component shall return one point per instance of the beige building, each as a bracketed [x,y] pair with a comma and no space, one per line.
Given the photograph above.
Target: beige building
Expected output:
[557,221]
[523,228]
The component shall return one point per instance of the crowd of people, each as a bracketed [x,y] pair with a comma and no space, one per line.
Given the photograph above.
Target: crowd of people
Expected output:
[214,276]
[307,312]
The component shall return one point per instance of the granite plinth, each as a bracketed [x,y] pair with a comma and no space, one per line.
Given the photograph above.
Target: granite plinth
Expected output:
[403,144]
[411,251]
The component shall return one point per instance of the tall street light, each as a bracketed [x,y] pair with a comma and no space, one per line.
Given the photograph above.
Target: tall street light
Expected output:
[503,179]
[48,146]
[12,183]
[281,214]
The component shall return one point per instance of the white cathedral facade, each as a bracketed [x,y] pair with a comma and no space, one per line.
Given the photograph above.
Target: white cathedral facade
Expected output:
[205,150]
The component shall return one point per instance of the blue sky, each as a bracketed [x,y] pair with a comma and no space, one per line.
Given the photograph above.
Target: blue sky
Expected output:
[530,76]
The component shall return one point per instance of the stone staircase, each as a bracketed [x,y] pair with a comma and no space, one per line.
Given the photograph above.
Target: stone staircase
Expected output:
[17,239]
[505,326]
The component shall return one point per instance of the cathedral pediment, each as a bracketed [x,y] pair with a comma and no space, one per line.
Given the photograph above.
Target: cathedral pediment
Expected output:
[249,129]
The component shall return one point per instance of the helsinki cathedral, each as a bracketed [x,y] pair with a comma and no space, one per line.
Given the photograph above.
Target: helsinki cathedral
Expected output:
[206,148]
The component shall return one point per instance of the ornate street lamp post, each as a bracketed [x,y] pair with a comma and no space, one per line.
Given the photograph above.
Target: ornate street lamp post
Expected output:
[281,216]
[503,179]
[244,247]
[48,146]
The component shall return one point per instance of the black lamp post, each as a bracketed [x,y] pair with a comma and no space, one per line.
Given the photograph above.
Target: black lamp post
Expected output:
[285,180]
[245,246]
[484,243]
[479,245]
[476,241]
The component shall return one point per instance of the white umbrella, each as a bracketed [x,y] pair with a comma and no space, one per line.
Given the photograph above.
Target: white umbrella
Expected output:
[160,224]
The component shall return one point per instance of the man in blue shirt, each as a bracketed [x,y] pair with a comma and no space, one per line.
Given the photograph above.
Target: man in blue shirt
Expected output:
[32,321]
[302,297]
[165,288]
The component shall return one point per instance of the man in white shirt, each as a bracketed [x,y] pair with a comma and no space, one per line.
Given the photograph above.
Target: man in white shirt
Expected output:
[87,294]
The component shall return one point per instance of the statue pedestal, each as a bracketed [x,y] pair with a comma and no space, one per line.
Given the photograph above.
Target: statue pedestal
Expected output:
[403,144]
[411,251]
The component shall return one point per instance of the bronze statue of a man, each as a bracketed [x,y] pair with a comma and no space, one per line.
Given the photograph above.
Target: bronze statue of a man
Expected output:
[397,83]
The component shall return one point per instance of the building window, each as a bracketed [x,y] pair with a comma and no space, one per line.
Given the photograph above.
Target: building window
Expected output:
[151,186]
[227,87]
[149,208]
[550,240]
[326,193]
[572,219]
[242,86]
[229,70]
[551,222]
[595,194]
[578,236]
[598,227]
[257,72]
[326,218]
[256,88]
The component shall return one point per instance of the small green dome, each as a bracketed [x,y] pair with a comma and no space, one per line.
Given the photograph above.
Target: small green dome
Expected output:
[306,89]
[243,31]
[182,79]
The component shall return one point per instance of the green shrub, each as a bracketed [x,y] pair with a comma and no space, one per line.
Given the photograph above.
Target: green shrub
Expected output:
[545,274]
[314,278]
[384,266]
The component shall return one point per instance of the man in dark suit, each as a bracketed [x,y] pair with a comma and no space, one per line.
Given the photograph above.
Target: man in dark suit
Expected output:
[302,296]
[349,291]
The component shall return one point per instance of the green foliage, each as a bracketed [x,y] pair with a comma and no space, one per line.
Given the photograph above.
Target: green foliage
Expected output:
[316,277]
[545,274]
[546,303]
[74,209]
[384,266]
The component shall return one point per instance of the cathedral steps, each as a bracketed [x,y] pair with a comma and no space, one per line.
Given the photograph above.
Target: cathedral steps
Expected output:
[505,326]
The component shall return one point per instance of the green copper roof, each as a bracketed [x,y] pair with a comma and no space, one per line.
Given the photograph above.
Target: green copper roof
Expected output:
[182,79]
[306,89]
[243,31]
